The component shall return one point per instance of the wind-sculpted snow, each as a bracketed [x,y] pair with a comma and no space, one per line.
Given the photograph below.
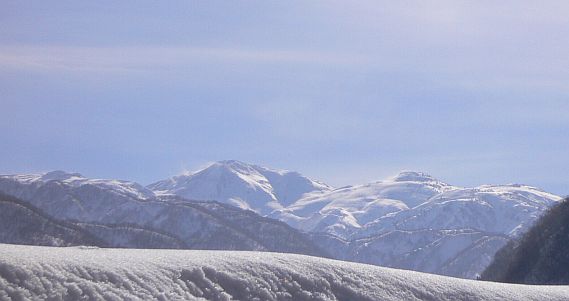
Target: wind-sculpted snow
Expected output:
[28,273]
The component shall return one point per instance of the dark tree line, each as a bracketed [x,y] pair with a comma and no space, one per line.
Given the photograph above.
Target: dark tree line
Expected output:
[541,256]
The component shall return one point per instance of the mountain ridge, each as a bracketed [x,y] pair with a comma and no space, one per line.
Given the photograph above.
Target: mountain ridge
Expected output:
[420,214]
[199,224]
[434,226]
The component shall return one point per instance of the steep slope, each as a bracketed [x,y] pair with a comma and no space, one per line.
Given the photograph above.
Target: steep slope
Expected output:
[21,223]
[460,253]
[272,234]
[76,273]
[243,185]
[540,256]
[132,236]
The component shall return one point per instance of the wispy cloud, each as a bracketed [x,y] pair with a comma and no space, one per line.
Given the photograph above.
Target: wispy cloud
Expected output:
[472,69]
[119,59]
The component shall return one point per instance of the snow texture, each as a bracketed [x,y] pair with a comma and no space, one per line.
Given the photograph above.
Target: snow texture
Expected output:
[75,273]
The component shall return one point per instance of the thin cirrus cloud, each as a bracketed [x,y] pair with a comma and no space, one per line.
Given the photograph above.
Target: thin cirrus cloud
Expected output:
[109,59]
[472,69]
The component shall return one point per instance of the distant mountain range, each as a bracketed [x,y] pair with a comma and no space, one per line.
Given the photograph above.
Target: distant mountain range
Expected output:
[125,214]
[411,221]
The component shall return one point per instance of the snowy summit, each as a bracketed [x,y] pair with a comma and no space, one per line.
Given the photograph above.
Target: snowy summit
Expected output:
[243,185]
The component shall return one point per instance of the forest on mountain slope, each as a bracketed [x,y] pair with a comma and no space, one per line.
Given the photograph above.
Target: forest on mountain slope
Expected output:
[541,256]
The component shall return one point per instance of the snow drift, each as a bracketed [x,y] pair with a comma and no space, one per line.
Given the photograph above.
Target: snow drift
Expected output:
[73,273]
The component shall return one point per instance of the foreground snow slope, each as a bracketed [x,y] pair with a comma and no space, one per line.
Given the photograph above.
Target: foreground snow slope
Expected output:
[69,273]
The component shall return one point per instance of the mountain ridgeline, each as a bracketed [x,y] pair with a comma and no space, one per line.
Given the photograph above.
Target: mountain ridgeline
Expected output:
[410,221]
[131,222]
[540,256]
[22,223]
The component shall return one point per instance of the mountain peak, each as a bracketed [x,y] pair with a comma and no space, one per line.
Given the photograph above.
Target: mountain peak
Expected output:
[232,164]
[248,168]
[245,185]
[59,175]
[414,176]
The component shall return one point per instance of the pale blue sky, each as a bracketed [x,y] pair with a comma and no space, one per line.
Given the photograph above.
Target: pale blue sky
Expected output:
[471,92]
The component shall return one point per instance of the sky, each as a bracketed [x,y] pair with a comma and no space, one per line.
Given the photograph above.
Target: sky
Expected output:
[471,92]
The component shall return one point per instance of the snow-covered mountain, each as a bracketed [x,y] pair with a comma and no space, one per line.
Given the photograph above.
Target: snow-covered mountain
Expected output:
[71,196]
[505,209]
[76,273]
[416,222]
[411,221]
[22,223]
[126,214]
[243,185]
[346,210]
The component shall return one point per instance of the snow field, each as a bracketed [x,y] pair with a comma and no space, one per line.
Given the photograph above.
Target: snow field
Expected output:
[33,273]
